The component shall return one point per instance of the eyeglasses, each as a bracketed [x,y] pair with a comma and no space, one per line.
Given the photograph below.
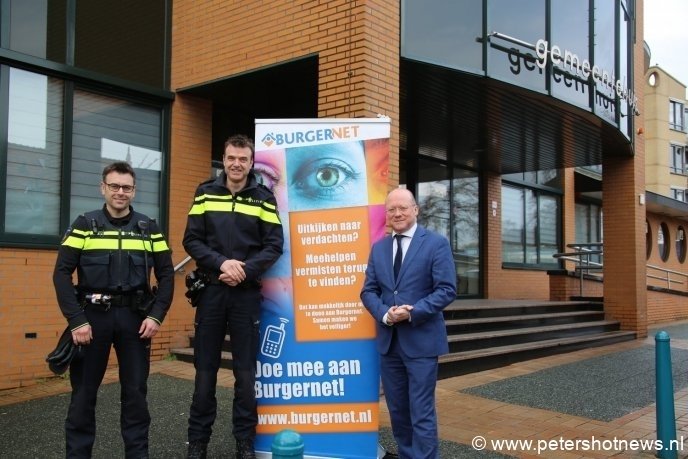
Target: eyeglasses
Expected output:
[393,210]
[115,187]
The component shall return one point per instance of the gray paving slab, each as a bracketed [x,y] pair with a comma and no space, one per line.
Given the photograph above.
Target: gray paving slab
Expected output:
[35,429]
[603,388]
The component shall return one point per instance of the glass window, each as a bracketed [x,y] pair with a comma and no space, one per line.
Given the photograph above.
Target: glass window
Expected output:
[508,60]
[625,113]
[653,79]
[603,60]
[530,226]
[648,240]
[38,28]
[681,244]
[456,218]
[549,178]
[107,129]
[446,33]
[663,245]
[570,35]
[513,225]
[122,39]
[465,238]
[678,159]
[589,226]
[433,189]
[34,152]
[676,115]
[547,228]
[679,194]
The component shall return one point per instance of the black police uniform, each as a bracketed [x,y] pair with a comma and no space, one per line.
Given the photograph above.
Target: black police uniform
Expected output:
[222,226]
[111,257]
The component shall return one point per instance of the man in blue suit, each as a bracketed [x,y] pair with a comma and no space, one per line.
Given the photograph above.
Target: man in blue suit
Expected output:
[411,332]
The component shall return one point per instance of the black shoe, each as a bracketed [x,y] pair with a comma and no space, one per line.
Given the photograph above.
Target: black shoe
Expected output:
[245,449]
[389,455]
[197,450]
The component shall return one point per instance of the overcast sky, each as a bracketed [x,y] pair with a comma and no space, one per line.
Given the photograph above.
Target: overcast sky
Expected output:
[666,33]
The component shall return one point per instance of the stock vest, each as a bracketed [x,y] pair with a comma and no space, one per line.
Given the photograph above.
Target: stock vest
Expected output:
[115,259]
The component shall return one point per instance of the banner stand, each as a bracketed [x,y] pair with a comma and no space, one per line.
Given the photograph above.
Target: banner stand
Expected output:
[318,368]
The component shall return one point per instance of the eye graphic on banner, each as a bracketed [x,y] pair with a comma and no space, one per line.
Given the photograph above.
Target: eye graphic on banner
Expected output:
[327,176]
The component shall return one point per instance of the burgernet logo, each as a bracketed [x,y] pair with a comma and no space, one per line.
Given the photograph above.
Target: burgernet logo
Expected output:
[285,139]
[268,140]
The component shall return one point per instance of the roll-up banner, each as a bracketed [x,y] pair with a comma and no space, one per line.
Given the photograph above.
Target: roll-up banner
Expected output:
[318,369]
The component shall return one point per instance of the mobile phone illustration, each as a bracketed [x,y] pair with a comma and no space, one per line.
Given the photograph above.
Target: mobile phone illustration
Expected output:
[273,339]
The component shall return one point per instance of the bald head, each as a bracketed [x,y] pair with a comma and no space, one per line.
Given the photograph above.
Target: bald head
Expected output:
[401,194]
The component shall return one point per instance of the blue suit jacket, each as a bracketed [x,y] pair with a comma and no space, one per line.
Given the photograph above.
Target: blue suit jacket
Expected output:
[427,281]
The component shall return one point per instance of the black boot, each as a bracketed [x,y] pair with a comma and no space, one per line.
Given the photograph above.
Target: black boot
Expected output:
[197,450]
[245,449]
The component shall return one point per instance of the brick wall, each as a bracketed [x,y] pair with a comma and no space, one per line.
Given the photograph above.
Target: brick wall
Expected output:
[665,307]
[672,262]
[625,294]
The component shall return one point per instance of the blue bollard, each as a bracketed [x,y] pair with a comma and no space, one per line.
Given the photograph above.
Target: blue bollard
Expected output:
[666,418]
[287,444]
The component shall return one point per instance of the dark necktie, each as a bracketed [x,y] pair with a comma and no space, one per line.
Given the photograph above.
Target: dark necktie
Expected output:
[398,256]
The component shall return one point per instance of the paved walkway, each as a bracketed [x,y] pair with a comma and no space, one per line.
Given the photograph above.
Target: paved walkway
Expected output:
[469,419]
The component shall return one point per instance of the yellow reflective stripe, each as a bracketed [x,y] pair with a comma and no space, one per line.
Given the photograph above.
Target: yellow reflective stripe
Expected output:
[197,209]
[256,210]
[75,242]
[109,240]
[266,215]
[159,245]
[270,217]
[247,209]
[212,203]
[114,244]
[127,244]
[214,206]
[217,197]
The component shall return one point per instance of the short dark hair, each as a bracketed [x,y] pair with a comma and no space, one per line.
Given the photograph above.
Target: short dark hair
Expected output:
[121,167]
[240,141]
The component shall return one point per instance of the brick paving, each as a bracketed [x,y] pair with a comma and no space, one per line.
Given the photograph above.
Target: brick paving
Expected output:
[463,417]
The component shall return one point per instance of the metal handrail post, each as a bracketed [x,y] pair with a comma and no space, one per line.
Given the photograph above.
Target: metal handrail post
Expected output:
[580,270]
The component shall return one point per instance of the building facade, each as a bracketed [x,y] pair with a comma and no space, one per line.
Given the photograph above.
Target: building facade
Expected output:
[666,177]
[510,123]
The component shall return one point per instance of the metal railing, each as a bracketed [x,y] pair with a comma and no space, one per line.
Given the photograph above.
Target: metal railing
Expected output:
[182,263]
[583,254]
[666,275]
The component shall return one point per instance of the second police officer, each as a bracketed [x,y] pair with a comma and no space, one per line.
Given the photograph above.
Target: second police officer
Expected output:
[234,233]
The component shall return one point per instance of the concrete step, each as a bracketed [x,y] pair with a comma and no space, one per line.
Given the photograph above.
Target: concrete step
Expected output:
[459,363]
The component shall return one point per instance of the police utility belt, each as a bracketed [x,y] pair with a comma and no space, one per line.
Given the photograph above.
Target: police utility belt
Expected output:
[198,280]
[105,301]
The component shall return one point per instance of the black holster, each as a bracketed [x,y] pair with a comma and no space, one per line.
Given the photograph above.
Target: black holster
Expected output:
[196,281]
[143,302]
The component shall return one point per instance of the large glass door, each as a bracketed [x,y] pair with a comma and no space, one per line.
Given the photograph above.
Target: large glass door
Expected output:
[448,203]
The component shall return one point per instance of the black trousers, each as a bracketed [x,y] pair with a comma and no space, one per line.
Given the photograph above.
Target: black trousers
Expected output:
[223,310]
[118,326]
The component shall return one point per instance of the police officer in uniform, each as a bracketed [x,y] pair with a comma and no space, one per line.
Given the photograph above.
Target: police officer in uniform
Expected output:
[113,250]
[234,234]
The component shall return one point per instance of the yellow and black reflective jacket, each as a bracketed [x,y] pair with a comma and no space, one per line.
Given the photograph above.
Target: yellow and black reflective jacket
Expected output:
[110,255]
[245,227]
